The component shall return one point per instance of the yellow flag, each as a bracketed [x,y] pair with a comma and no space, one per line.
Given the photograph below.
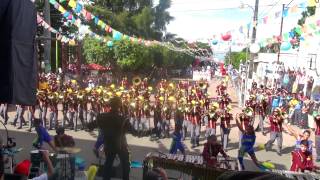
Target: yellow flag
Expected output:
[100,23]
[72,3]
[312,3]
[61,9]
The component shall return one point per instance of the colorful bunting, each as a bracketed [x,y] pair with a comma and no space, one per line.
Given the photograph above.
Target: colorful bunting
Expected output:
[277,14]
[61,9]
[312,3]
[265,20]
[285,12]
[72,3]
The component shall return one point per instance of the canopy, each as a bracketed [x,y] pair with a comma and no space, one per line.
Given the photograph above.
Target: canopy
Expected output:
[97,67]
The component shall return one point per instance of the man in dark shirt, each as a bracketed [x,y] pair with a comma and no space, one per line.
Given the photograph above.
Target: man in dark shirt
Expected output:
[114,128]
[211,150]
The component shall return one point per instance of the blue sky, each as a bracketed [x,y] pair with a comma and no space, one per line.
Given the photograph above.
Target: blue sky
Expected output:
[201,19]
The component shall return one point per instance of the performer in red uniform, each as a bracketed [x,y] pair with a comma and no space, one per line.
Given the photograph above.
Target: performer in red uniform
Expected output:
[212,118]
[302,159]
[276,120]
[221,89]
[225,126]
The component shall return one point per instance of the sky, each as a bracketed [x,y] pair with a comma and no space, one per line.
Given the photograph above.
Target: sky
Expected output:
[202,19]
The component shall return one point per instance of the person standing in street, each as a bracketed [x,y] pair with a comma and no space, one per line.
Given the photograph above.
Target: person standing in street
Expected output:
[114,127]
[276,121]
[317,137]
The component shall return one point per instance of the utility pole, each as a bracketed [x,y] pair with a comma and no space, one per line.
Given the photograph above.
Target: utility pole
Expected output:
[254,35]
[47,35]
[280,36]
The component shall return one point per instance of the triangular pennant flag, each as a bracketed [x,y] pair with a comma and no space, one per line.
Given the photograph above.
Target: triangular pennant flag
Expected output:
[72,3]
[318,22]
[249,25]
[52,2]
[285,12]
[56,5]
[99,22]
[78,8]
[294,9]
[298,30]
[103,25]
[88,16]
[312,3]
[73,20]
[303,5]
[304,29]
[61,9]
[265,20]
[70,17]
[286,36]
[66,14]
[241,29]
[96,19]
[291,34]
[313,26]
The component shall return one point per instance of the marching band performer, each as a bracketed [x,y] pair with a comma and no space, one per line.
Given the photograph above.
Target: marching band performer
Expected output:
[212,118]
[195,124]
[53,109]
[186,120]
[19,116]
[261,108]
[4,112]
[82,109]
[276,121]
[221,88]
[225,126]
[245,120]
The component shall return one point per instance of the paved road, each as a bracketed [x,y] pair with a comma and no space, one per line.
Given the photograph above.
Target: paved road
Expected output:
[139,147]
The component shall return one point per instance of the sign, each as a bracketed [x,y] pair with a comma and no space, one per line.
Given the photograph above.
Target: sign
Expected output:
[197,75]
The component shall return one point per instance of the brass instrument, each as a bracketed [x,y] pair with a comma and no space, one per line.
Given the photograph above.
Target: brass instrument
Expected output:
[136,81]
[203,85]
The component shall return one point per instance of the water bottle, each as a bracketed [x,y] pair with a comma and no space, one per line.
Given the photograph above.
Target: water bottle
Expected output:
[80,174]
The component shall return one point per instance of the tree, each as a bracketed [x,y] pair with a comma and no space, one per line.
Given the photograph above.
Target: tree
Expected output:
[296,34]
[97,52]
[236,58]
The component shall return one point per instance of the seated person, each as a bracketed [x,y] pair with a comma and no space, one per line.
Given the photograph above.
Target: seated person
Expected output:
[211,150]
[302,159]
[42,136]
[62,140]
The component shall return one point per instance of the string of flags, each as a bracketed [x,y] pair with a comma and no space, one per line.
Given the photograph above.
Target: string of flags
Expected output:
[59,36]
[309,29]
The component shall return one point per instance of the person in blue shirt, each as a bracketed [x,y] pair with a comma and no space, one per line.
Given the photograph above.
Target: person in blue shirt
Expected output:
[248,140]
[42,136]
[177,141]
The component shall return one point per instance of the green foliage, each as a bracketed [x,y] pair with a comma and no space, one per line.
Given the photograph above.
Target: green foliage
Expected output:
[305,14]
[133,57]
[235,58]
[97,52]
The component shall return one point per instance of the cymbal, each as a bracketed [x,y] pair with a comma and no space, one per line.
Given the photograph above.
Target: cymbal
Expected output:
[70,150]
